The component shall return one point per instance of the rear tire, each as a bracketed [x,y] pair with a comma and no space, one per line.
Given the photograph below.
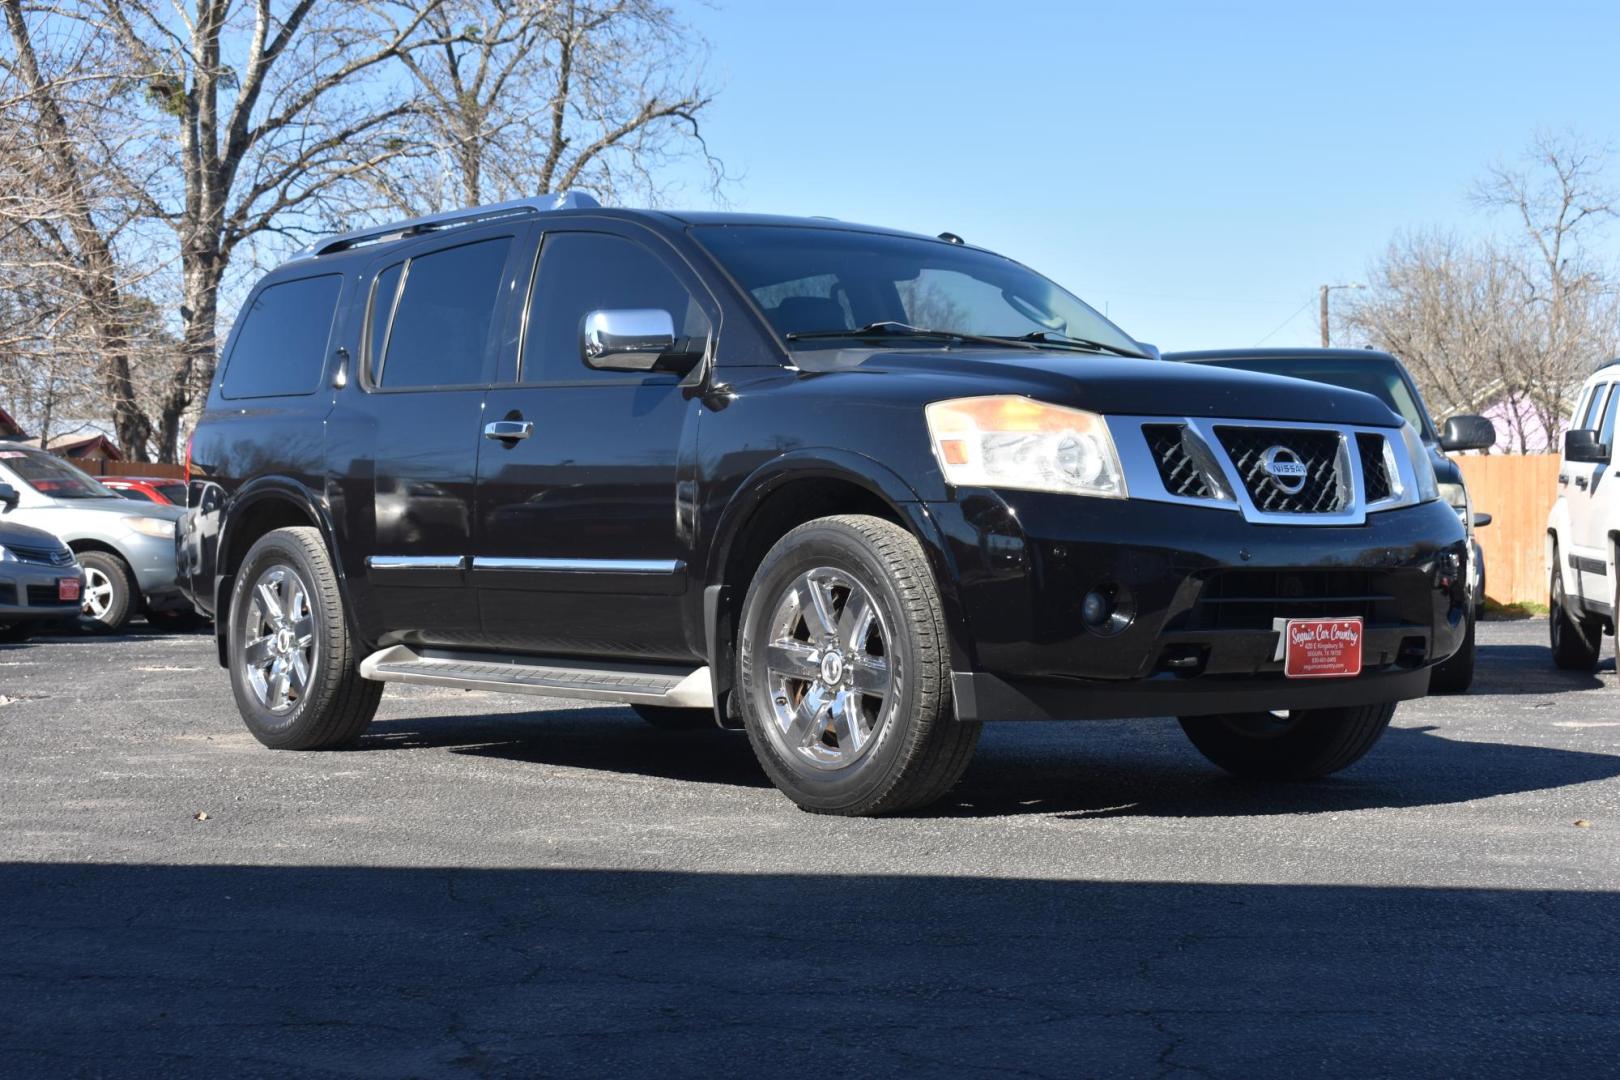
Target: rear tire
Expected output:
[668,718]
[1307,744]
[1575,641]
[294,661]
[844,672]
[1456,675]
[109,593]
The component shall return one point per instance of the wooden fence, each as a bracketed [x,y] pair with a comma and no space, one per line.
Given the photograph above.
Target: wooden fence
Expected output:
[106,467]
[1518,491]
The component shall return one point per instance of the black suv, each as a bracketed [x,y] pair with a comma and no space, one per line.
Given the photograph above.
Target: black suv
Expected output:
[851,489]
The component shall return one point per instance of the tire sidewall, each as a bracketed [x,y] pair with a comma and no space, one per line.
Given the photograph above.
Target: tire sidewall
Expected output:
[274,730]
[827,544]
[118,575]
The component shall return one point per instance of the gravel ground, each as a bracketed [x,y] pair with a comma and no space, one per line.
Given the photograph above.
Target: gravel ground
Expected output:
[516,887]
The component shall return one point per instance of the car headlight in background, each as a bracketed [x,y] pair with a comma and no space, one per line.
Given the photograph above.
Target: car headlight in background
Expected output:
[1428,488]
[1007,441]
[161,528]
[1456,497]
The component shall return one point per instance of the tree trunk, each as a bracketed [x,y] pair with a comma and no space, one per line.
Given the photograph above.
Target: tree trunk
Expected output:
[198,356]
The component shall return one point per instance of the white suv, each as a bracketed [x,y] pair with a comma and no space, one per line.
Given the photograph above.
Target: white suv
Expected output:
[1583,531]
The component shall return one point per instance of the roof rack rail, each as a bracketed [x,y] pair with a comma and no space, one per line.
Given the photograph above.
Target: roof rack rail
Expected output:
[396,230]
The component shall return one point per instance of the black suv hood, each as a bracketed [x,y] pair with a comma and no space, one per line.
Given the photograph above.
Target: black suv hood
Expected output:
[1110,384]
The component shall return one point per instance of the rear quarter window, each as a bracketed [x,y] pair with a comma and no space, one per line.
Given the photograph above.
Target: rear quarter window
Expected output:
[280,348]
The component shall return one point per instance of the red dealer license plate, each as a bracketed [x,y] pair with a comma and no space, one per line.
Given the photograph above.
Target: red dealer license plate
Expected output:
[1322,648]
[67,588]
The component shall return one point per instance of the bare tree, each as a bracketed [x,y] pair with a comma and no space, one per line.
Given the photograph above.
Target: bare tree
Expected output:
[1560,200]
[521,97]
[237,120]
[60,227]
[1517,322]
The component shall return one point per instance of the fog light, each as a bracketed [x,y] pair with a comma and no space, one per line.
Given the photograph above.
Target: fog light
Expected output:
[1107,609]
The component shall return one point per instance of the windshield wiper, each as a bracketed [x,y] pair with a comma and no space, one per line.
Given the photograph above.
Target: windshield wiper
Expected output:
[900,329]
[1051,337]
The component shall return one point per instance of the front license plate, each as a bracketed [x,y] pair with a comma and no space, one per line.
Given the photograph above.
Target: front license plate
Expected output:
[1322,648]
[67,589]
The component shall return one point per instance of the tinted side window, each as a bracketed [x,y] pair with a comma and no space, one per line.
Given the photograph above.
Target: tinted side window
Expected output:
[134,493]
[585,272]
[383,293]
[1606,429]
[443,319]
[1586,416]
[280,348]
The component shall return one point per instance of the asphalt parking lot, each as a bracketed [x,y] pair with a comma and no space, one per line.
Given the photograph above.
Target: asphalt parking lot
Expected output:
[515,887]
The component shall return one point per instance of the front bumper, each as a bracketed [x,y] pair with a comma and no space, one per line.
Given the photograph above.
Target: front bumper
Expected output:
[1205,591]
[28,591]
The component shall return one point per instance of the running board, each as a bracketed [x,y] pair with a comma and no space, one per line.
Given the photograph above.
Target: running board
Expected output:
[675,686]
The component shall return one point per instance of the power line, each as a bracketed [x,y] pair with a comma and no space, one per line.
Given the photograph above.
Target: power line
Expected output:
[1308,302]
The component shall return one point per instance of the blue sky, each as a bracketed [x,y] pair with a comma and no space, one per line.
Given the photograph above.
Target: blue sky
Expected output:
[1196,169]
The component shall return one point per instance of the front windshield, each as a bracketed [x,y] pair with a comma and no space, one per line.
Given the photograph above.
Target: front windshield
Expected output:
[52,476]
[1375,376]
[816,281]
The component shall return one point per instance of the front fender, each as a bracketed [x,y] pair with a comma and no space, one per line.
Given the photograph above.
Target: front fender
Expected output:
[835,463]
[1560,538]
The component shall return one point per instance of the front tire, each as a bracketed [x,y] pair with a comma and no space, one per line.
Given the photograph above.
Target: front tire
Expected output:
[109,593]
[294,662]
[844,672]
[1300,745]
[1575,641]
[1456,675]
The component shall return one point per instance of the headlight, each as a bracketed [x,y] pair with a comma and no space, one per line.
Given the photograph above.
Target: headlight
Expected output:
[1428,488]
[162,528]
[6,556]
[1015,442]
[1456,497]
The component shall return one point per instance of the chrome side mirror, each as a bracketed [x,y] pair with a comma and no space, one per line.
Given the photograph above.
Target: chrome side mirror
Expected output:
[8,498]
[627,339]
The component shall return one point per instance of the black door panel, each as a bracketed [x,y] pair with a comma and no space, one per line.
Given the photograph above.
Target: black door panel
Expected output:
[405,437]
[580,546]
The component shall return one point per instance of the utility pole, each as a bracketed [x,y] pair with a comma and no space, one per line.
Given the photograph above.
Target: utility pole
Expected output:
[1324,306]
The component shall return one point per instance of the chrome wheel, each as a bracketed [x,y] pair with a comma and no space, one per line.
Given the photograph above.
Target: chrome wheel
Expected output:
[829,670]
[98,593]
[279,650]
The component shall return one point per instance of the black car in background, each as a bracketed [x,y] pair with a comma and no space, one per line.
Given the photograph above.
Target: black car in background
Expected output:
[854,490]
[1386,378]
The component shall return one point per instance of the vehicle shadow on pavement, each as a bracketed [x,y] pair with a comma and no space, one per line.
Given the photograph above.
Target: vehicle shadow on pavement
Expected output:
[1135,768]
[1528,669]
[609,738]
[265,971]
[1410,767]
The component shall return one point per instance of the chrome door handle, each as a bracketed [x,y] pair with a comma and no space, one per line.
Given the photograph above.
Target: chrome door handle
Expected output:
[506,430]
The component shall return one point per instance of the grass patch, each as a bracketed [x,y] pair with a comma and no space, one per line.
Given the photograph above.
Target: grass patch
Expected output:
[1496,611]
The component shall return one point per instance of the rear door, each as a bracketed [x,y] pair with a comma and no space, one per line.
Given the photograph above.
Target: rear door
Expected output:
[582,538]
[438,315]
[1600,505]
[1575,487]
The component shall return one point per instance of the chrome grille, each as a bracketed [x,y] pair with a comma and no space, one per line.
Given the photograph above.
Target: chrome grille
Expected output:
[1181,475]
[1323,491]
[1374,469]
